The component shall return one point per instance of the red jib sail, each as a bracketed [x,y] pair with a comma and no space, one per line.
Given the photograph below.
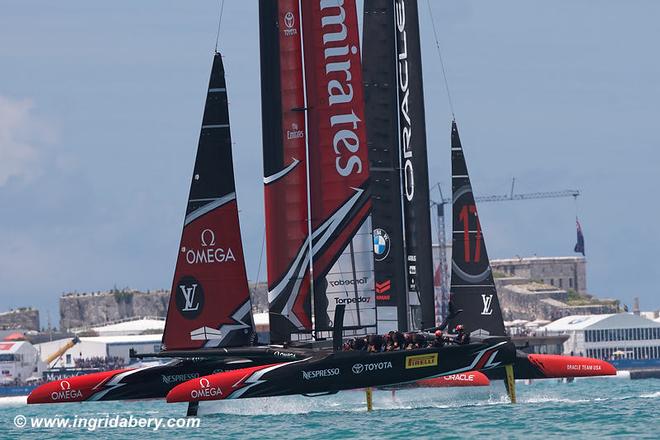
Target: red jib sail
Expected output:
[210,300]
[338,170]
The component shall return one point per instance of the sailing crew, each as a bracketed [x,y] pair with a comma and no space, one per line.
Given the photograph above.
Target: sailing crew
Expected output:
[439,339]
[461,336]
[375,344]
[419,340]
[399,340]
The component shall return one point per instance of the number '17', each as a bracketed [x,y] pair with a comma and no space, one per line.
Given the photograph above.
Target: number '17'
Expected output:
[464,217]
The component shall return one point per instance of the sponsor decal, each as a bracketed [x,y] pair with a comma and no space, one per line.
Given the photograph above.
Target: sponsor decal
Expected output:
[66,393]
[381,289]
[381,244]
[360,299]
[462,377]
[374,366]
[284,354]
[176,378]
[422,360]
[189,297]
[339,72]
[206,390]
[384,286]
[404,92]
[583,367]
[488,301]
[208,253]
[295,132]
[289,23]
[307,375]
[350,282]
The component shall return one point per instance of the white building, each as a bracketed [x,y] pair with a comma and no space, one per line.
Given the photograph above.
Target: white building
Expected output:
[621,335]
[132,327]
[18,361]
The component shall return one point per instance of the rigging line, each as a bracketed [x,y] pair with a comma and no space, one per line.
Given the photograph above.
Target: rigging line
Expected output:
[261,256]
[217,36]
[442,63]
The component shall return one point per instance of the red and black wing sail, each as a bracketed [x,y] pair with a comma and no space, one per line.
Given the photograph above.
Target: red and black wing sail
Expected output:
[210,300]
[338,166]
[379,67]
[285,168]
[316,170]
[472,285]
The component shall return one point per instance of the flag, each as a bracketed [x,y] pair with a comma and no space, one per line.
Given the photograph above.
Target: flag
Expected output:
[579,246]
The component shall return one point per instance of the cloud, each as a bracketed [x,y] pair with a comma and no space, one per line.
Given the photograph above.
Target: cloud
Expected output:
[20,132]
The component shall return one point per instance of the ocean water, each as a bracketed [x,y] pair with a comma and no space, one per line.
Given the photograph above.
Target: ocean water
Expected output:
[587,408]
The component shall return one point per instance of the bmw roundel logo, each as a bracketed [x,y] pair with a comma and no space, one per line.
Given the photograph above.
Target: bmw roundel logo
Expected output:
[381,244]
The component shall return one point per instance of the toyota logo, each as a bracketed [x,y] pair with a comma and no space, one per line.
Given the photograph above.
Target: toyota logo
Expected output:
[289,19]
[65,385]
[358,368]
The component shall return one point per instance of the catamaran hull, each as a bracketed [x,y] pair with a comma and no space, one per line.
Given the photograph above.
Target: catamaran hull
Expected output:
[345,370]
[552,366]
[151,382]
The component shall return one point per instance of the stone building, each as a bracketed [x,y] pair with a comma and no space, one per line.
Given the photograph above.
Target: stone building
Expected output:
[569,273]
[89,309]
[86,310]
[25,318]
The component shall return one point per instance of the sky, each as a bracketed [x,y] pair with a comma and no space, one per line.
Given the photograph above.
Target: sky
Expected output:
[101,105]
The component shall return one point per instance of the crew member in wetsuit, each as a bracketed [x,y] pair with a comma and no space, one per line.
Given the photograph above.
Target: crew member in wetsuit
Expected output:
[400,341]
[375,343]
[461,336]
[419,340]
[389,341]
[409,343]
[439,339]
[359,344]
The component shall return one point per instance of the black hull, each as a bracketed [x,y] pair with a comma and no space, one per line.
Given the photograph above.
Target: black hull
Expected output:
[346,370]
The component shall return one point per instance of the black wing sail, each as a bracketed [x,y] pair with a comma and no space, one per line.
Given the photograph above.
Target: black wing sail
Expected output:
[381,97]
[414,164]
[472,285]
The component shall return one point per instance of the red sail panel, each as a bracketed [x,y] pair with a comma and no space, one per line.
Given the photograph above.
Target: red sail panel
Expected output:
[285,168]
[210,300]
[339,167]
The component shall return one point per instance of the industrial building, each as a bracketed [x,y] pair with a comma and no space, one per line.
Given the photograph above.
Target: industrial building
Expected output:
[610,336]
